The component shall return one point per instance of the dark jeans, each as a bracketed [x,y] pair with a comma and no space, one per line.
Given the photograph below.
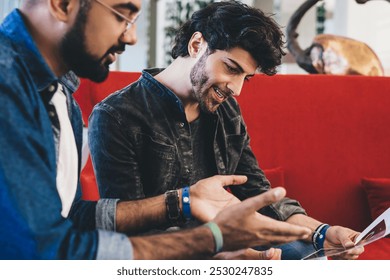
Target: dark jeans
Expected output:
[294,250]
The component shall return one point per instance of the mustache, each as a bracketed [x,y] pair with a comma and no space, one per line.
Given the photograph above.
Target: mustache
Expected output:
[115,49]
[226,91]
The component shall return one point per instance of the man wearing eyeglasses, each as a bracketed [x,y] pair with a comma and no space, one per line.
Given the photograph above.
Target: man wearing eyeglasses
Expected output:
[42,216]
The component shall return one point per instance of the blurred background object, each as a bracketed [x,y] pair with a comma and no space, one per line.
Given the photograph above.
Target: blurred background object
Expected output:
[7,5]
[368,23]
[330,54]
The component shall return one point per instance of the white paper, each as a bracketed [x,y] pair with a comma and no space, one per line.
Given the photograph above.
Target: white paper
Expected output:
[376,230]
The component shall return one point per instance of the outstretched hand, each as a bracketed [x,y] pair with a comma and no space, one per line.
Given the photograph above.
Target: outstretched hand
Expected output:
[208,196]
[242,226]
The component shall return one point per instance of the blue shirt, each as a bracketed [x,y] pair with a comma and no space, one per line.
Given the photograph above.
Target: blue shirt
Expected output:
[31,225]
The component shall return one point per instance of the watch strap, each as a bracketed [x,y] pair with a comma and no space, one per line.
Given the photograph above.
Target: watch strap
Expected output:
[172,205]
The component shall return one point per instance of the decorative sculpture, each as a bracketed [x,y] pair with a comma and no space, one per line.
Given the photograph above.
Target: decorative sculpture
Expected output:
[332,54]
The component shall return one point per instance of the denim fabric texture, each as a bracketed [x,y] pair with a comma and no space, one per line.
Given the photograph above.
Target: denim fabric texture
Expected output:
[140,147]
[31,225]
[296,250]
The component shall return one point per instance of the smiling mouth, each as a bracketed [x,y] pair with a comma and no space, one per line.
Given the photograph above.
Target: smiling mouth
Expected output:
[220,94]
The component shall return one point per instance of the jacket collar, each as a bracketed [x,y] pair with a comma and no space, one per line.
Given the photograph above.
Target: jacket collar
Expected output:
[15,29]
[160,89]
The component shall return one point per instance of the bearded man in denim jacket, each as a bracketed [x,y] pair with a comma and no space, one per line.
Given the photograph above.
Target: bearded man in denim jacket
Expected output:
[177,125]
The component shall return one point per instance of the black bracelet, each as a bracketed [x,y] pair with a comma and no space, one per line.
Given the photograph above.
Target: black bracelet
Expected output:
[173,207]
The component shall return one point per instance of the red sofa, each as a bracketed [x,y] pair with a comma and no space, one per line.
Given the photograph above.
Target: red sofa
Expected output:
[325,138]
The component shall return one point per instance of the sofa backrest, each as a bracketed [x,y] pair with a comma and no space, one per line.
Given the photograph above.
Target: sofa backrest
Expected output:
[90,93]
[325,132]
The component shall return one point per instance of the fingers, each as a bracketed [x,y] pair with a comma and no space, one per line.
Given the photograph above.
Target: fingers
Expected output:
[345,237]
[243,254]
[264,255]
[254,229]
[274,254]
[250,254]
[353,254]
[270,254]
[347,243]
[228,180]
[254,203]
[267,255]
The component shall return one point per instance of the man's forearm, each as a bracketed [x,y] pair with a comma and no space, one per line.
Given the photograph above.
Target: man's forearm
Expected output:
[197,243]
[140,215]
[240,226]
[303,220]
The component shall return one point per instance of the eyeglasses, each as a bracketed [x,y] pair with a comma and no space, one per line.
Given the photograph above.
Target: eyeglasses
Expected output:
[129,22]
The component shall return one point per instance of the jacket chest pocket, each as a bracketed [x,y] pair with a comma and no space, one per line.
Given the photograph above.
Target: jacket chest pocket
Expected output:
[235,146]
[157,165]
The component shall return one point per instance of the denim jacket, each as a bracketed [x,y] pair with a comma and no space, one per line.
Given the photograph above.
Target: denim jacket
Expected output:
[31,225]
[138,144]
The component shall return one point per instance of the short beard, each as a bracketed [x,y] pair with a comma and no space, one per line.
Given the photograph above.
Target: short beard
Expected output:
[198,80]
[75,55]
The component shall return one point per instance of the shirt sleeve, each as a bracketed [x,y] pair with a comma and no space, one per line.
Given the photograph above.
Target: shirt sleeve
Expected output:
[106,214]
[114,246]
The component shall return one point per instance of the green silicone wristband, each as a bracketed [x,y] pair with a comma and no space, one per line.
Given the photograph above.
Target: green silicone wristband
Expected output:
[217,234]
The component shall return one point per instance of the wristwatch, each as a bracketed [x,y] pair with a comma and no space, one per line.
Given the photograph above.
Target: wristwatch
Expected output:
[173,208]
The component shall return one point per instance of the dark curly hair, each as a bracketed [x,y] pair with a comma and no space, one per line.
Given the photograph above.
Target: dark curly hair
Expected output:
[230,24]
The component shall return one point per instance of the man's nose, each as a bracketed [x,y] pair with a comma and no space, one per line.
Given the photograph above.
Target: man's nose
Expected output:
[129,37]
[236,86]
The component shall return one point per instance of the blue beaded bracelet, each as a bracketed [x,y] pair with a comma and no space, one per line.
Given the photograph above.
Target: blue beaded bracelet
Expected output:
[185,199]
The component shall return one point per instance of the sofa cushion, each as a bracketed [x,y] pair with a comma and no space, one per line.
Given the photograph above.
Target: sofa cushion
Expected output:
[378,194]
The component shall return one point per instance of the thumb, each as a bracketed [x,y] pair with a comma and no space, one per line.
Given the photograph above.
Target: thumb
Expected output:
[347,243]
[271,254]
[266,255]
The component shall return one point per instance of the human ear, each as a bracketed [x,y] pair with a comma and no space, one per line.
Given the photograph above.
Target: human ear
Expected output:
[62,9]
[196,44]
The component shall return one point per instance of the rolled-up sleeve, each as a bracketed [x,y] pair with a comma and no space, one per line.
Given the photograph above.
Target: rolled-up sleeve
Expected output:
[106,214]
